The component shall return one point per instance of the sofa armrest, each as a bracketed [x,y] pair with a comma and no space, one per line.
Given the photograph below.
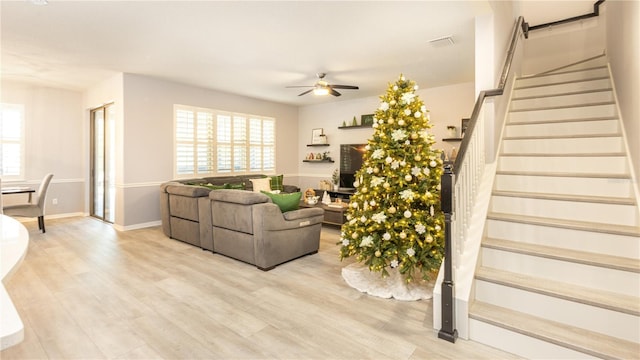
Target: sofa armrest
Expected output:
[188,190]
[268,217]
[303,213]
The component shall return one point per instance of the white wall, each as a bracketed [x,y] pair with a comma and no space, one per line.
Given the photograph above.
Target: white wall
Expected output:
[447,106]
[547,49]
[147,142]
[623,49]
[53,143]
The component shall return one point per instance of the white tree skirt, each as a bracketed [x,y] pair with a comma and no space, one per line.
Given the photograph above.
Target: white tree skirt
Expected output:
[361,278]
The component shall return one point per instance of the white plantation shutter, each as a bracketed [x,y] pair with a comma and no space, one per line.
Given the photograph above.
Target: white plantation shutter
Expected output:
[210,142]
[11,141]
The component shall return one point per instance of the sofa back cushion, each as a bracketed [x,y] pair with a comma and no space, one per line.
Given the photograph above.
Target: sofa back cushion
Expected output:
[232,209]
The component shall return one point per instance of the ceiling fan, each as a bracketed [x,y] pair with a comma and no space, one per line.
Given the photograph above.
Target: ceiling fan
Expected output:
[322,87]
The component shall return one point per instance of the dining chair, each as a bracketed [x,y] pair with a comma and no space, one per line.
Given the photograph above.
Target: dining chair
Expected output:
[35,208]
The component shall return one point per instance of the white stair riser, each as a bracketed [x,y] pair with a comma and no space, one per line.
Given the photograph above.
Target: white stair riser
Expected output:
[566,100]
[579,165]
[564,128]
[620,188]
[593,318]
[519,344]
[597,213]
[562,88]
[589,241]
[617,281]
[562,77]
[564,145]
[582,112]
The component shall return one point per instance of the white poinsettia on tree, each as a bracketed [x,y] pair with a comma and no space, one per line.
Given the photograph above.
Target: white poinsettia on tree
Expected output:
[394,219]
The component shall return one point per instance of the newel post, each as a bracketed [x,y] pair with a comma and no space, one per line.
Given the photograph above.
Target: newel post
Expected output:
[447,331]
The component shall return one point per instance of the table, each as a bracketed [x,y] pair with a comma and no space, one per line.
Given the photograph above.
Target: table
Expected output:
[14,240]
[332,215]
[18,190]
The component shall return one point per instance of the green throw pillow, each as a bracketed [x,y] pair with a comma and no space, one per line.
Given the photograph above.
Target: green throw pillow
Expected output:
[211,186]
[234,186]
[286,202]
[276,182]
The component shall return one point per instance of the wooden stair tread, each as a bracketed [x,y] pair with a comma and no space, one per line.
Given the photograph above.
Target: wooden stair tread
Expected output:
[560,72]
[568,224]
[566,197]
[558,121]
[565,174]
[551,252]
[556,107]
[611,154]
[580,294]
[585,341]
[562,136]
[561,83]
[607,89]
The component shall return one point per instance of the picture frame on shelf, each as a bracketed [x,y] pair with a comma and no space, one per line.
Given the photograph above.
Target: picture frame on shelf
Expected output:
[463,126]
[318,136]
[366,119]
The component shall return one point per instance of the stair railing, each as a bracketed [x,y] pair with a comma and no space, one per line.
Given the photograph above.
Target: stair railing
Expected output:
[459,185]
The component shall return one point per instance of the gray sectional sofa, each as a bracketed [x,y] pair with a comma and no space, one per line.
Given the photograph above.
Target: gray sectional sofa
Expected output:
[238,223]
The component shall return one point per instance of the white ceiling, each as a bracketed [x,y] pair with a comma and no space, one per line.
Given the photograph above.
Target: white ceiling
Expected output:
[254,49]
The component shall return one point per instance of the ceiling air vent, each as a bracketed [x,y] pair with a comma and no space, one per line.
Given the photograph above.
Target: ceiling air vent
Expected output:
[442,41]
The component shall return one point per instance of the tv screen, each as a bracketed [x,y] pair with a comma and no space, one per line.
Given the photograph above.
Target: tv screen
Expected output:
[350,162]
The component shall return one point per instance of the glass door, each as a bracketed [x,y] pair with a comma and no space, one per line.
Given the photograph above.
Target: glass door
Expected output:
[103,163]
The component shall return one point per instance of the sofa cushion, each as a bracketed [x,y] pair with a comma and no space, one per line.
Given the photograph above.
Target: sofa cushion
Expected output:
[286,202]
[276,182]
[262,184]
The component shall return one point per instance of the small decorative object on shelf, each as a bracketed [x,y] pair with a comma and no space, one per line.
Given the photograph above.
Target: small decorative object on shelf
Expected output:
[454,154]
[354,122]
[366,120]
[463,126]
[318,137]
[344,123]
[325,185]
[335,178]
[452,131]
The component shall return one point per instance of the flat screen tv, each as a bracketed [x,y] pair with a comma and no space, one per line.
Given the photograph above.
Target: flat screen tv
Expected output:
[350,162]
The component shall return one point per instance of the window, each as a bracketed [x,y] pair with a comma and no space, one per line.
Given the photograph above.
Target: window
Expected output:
[211,142]
[12,141]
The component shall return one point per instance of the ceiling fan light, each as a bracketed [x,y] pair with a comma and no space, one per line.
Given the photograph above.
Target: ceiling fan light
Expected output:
[321,91]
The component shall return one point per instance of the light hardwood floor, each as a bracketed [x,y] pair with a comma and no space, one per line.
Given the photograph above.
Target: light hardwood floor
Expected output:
[86,291]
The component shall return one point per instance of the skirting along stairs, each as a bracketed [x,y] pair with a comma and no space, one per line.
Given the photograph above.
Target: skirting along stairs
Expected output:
[559,273]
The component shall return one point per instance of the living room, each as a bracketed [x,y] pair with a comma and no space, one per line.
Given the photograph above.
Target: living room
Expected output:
[57,140]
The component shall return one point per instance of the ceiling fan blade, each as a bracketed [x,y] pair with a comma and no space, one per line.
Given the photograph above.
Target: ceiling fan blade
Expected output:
[345,87]
[306,92]
[333,92]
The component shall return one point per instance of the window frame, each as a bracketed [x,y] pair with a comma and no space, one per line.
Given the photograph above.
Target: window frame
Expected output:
[21,142]
[236,144]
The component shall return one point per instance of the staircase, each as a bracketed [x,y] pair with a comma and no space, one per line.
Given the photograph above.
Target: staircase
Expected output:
[559,273]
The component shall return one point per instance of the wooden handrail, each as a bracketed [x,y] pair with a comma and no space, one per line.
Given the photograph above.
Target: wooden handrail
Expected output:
[596,12]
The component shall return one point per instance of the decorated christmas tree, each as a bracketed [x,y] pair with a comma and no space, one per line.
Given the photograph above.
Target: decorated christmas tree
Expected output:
[394,219]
